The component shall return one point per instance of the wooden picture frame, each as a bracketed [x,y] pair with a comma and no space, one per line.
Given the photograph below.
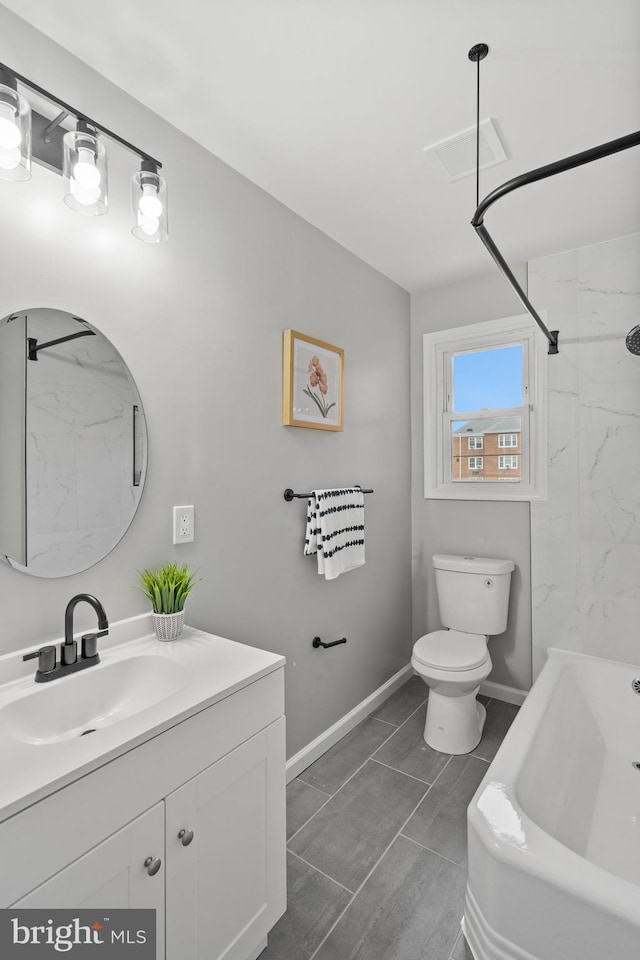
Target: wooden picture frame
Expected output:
[312,383]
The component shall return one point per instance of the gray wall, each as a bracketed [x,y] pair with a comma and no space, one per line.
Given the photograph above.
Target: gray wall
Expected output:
[199,321]
[498,529]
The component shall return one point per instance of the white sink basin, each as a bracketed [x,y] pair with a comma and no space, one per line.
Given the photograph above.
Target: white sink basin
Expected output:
[89,701]
[140,689]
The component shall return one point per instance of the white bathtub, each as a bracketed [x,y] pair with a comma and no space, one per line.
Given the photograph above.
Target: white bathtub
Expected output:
[554,827]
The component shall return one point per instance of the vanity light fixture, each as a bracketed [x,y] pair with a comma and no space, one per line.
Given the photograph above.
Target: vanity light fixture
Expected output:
[15,130]
[85,171]
[149,204]
[79,155]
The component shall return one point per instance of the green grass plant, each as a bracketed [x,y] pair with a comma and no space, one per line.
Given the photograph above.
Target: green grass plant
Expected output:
[167,587]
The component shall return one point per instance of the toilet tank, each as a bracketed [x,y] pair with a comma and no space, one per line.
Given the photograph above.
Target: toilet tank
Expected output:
[473,593]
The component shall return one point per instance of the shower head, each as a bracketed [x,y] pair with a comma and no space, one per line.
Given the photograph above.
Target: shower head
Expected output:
[633,340]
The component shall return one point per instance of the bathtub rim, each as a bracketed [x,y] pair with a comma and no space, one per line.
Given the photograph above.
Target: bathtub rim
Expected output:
[544,857]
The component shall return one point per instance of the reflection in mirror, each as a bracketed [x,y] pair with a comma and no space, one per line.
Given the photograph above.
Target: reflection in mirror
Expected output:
[73,443]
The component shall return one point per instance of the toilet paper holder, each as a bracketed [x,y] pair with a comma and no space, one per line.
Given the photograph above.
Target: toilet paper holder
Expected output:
[317,642]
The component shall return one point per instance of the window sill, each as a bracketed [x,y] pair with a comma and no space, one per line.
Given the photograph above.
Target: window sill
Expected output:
[462,492]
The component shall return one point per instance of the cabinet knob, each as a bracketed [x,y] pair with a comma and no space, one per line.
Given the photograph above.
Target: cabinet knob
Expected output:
[185,836]
[153,864]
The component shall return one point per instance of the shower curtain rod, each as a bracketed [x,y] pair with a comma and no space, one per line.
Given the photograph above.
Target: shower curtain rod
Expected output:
[541,173]
[34,346]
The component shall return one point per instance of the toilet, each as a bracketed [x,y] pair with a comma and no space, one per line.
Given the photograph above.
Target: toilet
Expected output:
[473,596]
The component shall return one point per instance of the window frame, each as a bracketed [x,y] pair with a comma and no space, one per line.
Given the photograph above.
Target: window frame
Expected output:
[439,347]
[507,456]
[505,446]
[476,445]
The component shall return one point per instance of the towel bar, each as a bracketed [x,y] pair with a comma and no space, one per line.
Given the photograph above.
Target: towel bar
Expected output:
[289,495]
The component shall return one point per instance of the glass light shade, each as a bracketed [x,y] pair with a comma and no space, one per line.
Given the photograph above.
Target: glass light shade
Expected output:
[85,173]
[149,206]
[15,135]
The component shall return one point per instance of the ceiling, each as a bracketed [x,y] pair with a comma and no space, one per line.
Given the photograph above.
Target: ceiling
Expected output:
[328,104]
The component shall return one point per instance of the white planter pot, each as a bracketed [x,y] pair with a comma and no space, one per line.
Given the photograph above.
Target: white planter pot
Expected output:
[168,626]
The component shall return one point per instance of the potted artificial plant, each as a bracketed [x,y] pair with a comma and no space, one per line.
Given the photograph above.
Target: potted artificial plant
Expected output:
[167,588]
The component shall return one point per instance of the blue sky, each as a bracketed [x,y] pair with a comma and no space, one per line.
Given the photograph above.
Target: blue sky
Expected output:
[488,378]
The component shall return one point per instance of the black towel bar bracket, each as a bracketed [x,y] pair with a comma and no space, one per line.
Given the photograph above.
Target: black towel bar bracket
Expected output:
[317,642]
[289,495]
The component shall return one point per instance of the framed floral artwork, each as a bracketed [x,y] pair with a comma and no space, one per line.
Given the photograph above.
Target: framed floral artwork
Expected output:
[312,384]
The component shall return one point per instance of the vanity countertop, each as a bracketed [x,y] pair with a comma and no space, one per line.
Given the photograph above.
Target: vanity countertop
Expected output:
[207,669]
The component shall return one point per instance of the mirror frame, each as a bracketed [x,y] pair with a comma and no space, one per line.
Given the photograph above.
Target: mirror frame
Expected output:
[69,349]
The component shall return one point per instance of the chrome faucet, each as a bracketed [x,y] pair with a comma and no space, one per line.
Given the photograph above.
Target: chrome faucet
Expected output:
[69,662]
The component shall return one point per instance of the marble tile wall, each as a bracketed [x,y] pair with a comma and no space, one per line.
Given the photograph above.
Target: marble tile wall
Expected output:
[78,450]
[585,538]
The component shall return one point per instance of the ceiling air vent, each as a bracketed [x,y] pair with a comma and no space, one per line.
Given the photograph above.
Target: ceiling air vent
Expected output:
[458,154]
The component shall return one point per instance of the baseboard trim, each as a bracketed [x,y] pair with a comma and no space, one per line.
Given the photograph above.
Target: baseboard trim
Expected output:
[303,758]
[499,691]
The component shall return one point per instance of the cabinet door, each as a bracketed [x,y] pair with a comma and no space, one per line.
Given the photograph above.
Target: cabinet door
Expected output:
[227,887]
[113,875]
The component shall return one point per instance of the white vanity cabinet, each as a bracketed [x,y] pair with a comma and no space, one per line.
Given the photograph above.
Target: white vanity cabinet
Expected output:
[226,888]
[206,797]
[109,876]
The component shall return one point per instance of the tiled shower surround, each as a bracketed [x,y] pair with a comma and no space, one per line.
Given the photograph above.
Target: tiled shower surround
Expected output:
[585,539]
[377,840]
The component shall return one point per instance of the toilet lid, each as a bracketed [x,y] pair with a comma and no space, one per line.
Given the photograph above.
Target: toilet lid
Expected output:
[451,650]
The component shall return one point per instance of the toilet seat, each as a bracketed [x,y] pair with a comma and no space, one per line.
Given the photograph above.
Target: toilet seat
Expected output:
[451,650]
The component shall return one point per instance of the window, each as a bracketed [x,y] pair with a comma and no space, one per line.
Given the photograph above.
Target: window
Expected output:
[484,389]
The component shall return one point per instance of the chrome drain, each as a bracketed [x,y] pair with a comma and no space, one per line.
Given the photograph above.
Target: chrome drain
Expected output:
[90,730]
[635,685]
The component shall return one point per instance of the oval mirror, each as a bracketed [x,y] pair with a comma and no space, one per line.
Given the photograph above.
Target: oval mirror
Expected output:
[73,443]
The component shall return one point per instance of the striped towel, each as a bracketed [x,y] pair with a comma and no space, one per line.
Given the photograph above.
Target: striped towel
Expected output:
[335,530]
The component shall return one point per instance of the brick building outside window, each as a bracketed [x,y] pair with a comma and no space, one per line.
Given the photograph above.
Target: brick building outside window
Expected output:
[492,437]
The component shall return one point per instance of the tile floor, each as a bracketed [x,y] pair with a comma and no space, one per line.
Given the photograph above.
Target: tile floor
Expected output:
[376,847]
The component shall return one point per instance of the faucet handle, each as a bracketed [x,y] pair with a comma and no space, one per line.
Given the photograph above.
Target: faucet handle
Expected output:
[90,644]
[46,658]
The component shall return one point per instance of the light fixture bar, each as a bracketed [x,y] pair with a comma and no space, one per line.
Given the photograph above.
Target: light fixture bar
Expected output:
[46,148]
[78,114]
[55,123]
